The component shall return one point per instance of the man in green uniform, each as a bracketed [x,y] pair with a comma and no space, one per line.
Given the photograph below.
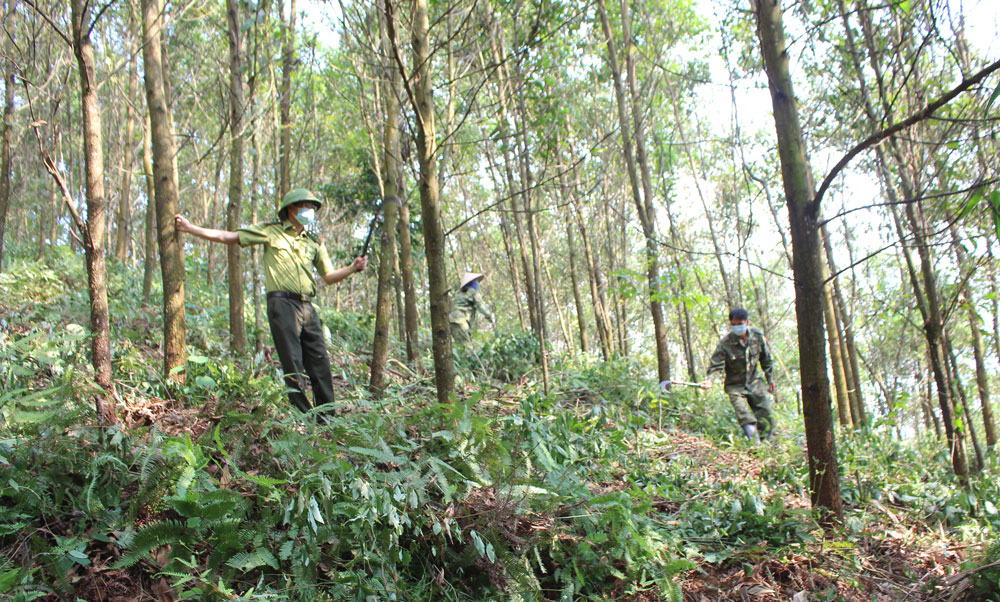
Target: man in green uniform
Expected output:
[290,253]
[467,304]
[737,355]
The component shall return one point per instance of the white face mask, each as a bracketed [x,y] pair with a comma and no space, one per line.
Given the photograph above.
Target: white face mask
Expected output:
[306,216]
[738,329]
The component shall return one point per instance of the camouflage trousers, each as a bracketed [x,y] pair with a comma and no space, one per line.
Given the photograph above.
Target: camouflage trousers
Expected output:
[753,408]
[460,333]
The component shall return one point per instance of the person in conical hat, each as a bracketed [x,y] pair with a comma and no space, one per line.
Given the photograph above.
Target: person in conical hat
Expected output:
[291,253]
[468,303]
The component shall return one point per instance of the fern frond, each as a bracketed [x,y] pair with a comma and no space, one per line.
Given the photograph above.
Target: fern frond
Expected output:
[149,538]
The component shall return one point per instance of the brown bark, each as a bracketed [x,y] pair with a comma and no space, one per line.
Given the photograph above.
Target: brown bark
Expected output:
[836,360]
[927,302]
[577,298]
[149,262]
[285,102]
[383,300]
[807,264]
[165,184]
[234,272]
[422,100]
[978,348]
[849,349]
[6,69]
[125,196]
[94,231]
[642,194]
[955,378]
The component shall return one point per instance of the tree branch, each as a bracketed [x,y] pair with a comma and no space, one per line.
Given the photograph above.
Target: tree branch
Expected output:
[917,117]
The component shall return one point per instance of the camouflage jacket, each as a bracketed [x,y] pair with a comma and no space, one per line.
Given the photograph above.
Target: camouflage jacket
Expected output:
[466,305]
[739,361]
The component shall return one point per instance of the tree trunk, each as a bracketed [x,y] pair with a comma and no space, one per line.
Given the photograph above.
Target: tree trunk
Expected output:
[237,327]
[577,298]
[932,331]
[285,102]
[978,349]
[430,204]
[836,360]
[7,71]
[94,231]
[125,196]
[824,476]
[641,187]
[149,240]
[392,185]
[165,183]
[956,380]
[383,301]
[849,350]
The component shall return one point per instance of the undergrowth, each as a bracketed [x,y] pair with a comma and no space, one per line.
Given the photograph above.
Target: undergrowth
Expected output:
[220,490]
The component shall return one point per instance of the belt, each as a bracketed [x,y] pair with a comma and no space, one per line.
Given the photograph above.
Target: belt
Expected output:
[296,296]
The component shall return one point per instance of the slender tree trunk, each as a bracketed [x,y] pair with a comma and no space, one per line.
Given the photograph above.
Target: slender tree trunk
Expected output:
[953,377]
[237,327]
[94,231]
[285,101]
[7,70]
[594,278]
[393,176]
[430,203]
[836,360]
[641,183]
[577,298]
[149,258]
[849,350]
[165,178]
[125,197]
[807,265]
[978,349]
[383,302]
[932,332]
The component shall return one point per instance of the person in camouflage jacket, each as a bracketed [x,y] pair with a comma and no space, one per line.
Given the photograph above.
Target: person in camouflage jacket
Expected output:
[738,356]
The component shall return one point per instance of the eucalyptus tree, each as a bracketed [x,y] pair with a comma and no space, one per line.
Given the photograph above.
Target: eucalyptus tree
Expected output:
[6,133]
[164,154]
[237,108]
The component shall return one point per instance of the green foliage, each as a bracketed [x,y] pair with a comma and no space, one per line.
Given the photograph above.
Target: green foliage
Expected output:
[509,355]
[986,581]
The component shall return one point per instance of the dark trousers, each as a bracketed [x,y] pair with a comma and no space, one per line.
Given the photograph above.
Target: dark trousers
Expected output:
[298,337]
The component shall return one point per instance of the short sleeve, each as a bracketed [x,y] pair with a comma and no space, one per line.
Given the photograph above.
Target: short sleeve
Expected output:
[322,261]
[253,235]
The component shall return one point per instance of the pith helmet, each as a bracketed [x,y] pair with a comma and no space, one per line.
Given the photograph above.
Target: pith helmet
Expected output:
[470,277]
[295,196]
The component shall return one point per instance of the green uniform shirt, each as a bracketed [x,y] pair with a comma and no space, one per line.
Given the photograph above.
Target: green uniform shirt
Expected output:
[465,307]
[739,361]
[287,256]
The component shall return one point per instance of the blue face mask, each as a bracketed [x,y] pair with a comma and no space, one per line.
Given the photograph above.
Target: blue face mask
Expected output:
[738,329]
[306,216]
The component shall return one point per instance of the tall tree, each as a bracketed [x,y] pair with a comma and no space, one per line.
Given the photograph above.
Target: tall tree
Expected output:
[637,165]
[383,302]
[125,195]
[285,101]
[234,272]
[7,72]
[803,210]
[165,185]
[421,99]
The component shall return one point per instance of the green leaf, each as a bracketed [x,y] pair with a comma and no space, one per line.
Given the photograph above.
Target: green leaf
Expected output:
[993,97]
[205,382]
[905,6]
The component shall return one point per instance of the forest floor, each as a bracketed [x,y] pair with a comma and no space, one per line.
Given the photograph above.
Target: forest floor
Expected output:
[895,558]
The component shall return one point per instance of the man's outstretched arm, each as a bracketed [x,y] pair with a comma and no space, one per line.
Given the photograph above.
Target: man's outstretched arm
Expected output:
[226,237]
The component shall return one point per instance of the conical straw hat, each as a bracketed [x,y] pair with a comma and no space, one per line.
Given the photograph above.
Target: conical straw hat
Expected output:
[469,277]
